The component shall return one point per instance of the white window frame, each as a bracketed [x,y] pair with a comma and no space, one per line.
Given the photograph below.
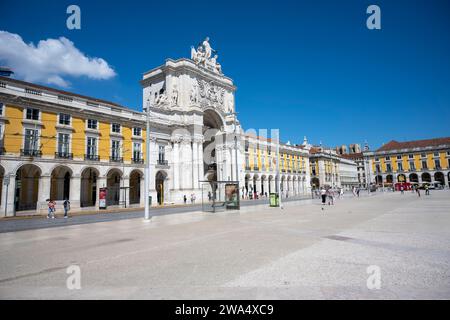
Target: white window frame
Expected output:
[38,143]
[87,124]
[25,114]
[63,124]
[119,149]
[140,132]
[120,128]
[57,140]
[96,145]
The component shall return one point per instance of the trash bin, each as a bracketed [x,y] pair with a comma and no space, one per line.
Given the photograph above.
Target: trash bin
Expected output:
[274,200]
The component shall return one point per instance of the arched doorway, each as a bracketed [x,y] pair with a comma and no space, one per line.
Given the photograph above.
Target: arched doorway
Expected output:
[135,187]
[88,188]
[439,177]
[413,178]
[401,178]
[27,187]
[113,184]
[60,183]
[263,182]
[389,179]
[426,177]
[159,185]
[379,180]
[271,185]
[315,183]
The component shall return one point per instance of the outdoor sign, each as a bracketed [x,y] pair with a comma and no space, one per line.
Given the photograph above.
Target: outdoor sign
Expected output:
[102,198]
[232,195]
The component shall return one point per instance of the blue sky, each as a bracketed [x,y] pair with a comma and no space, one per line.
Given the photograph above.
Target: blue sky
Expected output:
[307,67]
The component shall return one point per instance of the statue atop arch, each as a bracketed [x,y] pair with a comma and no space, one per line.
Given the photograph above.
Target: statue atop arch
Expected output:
[203,56]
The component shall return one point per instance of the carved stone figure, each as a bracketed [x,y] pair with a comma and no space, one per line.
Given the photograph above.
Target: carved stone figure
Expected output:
[175,95]
[194,94]
[203,56]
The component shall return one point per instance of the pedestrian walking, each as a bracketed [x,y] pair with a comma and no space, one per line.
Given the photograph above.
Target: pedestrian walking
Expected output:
[402,190]
[66,205]
[427,190]
[51,209]
[323,194]
[330,196]
[357,192]
[418,191]
[184,199]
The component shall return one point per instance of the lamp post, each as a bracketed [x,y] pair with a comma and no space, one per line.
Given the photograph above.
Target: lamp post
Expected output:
[147,164]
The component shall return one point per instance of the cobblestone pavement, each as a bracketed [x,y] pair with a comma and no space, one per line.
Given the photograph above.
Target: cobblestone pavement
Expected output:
[299,252]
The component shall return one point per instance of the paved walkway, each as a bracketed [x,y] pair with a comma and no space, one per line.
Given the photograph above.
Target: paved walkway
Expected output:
[40,222]
[301,252]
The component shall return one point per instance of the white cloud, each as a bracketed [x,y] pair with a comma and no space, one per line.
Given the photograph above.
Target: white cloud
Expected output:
[50,61]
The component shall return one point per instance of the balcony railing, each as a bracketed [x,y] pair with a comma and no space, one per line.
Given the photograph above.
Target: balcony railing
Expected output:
[91,157]
[63,155]
[161,162]
[30,153]
[137,160]
[115,159]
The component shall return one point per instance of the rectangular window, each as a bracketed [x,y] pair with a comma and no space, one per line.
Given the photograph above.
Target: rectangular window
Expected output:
[64,119]
[115,149]
[115,127]
[437,164]
[137,132]
[424,165]
[377,159]
[137,151]
[1,108]
[412,166]
[400,166]
[32,114]
[411,156]
[91,150]
[388,158]
[388,167]
[247,161]
[31,139]
[423,155]
[92,124]
[377,168]
[63,143]
[161,153]
[436,154]
[399,157]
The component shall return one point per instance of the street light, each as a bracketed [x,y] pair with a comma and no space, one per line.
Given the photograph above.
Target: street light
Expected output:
[147,164]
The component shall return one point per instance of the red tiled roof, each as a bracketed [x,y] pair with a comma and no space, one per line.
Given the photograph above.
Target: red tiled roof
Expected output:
[395,145]
[352,156]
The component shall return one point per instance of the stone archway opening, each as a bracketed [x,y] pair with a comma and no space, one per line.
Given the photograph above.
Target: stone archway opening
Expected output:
[27,187]
[113,180]
[60,183]
[439,177]
[379,180]
[88,187]
[401,178]
[212,130]
[413,178]
[315,183]
[426,177]
[160,179]
[135,186]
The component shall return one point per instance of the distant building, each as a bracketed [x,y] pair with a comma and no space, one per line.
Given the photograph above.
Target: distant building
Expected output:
[416,162]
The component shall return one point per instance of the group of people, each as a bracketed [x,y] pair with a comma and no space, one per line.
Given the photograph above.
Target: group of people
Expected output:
[192,198]
[52,208]
[329,194]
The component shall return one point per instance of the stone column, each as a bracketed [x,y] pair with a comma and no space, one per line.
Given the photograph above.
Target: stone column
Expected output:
[75,191]
[9,197]
[142,192]
[176,168]
[201,170]
[195,164]
[101,183]
[43,192]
